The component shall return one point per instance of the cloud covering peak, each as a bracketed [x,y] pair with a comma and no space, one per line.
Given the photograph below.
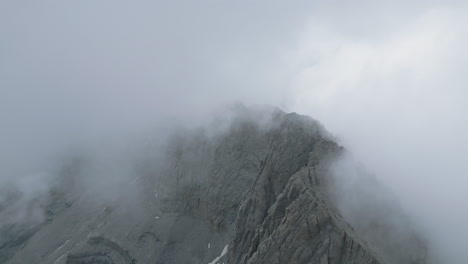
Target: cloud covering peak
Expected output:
[388,79]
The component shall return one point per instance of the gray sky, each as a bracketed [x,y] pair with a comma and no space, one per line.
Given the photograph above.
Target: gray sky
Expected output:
[397,99]
[387,78]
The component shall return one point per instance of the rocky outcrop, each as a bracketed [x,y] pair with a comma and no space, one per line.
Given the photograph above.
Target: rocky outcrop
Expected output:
[251,192]
[285,218]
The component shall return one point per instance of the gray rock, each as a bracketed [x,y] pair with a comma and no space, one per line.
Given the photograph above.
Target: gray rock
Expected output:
[251,192]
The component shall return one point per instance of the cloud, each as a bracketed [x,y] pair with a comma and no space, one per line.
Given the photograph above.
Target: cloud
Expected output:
[387,79]
[396,100]
[94,78]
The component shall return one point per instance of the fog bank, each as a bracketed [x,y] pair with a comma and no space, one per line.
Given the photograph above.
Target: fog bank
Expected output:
[103,76]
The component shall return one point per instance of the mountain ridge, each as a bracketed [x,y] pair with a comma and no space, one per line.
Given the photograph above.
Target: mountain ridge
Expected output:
[261,189]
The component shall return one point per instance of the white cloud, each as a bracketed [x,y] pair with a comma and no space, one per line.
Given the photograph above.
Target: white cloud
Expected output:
[388,78]
[397,101]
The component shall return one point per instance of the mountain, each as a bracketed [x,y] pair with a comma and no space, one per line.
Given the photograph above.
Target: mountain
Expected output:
[257,188]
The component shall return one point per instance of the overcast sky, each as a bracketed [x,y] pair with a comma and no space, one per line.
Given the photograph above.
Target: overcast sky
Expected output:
[389,79]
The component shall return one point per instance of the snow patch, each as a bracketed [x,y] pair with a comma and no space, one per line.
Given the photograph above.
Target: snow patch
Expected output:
[59,258]
[60,247]
[215,261]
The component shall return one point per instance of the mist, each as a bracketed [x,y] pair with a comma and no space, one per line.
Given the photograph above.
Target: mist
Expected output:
[396,100]
[104,78]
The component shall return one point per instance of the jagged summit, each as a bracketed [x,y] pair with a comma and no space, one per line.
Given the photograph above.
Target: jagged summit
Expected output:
[255,191]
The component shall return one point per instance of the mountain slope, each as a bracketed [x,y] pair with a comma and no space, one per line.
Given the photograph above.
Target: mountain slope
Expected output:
[255,191]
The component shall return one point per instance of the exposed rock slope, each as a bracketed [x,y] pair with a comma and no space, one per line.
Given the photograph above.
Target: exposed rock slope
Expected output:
[253,192]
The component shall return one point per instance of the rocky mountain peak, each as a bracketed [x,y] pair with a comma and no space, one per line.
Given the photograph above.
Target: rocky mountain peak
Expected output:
[257,189]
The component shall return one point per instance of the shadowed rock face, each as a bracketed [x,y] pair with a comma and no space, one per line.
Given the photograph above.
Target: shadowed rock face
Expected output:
[252,192]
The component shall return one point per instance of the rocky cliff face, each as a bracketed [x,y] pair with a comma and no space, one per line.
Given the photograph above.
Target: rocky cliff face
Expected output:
[252,192]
